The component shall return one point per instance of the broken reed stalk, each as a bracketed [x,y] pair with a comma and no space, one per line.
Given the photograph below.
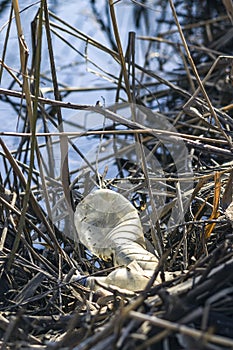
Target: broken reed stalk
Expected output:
[64,171]
[120,50]
[32,114]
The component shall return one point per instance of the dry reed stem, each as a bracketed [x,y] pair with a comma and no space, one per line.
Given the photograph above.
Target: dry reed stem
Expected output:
[196,334]
[197,75]
[38,281]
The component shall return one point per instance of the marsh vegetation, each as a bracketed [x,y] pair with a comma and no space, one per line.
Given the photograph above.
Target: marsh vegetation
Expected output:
[136,97]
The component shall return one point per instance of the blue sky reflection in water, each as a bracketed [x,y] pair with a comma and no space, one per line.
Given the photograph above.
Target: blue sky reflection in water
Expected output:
[74,64]
[79,65]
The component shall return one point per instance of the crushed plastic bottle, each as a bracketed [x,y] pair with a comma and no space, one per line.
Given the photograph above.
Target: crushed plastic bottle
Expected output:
[109,226]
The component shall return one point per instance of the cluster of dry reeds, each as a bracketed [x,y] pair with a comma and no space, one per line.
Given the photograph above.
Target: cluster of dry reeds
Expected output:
[39,251]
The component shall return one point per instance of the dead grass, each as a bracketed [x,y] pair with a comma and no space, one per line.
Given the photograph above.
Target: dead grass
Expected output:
[50,170]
